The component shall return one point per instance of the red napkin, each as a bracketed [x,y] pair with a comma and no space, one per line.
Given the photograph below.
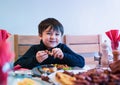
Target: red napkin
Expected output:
[3,34]
[19,68]
[5,55]
[114,36]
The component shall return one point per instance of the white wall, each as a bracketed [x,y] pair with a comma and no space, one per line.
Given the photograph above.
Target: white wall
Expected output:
[77,16]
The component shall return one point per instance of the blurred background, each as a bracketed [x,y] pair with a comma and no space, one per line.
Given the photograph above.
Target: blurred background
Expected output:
[79,17]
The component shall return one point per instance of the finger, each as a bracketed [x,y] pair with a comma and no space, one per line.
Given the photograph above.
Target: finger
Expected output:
[47,51]
[42,58]
[45,57]
[55,50]
[40,54]
[56,54]
[43,53]
[61,56]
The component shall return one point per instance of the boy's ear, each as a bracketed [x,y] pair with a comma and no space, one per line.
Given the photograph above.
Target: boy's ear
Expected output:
[40,36]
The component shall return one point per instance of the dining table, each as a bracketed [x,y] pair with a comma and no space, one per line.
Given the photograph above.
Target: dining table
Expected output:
[17,76]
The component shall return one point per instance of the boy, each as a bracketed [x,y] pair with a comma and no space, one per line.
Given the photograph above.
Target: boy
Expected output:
[50,50]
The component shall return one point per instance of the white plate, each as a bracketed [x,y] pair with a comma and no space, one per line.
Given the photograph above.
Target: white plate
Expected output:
[14,81]
[23,72]
[16,76]
[52,75]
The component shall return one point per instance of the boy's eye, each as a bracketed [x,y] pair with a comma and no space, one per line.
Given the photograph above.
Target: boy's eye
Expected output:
[48,33]
[57,34]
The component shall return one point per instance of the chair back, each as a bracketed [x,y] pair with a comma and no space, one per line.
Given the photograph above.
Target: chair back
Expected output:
[23,42]
[84,44]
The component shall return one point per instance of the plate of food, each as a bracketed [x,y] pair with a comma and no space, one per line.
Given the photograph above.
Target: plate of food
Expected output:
[13,80]
[64,76]
[49,68]
[90,77]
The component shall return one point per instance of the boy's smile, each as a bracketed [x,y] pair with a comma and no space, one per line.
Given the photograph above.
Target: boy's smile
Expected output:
[51,38]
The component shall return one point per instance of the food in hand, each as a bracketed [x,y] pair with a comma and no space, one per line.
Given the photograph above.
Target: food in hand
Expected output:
[49,52]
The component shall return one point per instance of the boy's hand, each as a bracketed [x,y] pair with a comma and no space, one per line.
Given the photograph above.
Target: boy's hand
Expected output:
[41,56]
[49,52]
[57,53]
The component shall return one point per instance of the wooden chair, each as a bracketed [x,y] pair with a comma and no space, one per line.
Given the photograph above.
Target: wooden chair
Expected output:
[23,42]
[85,45]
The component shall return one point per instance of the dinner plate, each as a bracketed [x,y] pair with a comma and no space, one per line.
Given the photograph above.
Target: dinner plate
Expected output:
[38,71]
[75,71]
[15,80]
[52,75]
[17,76]
[48,69]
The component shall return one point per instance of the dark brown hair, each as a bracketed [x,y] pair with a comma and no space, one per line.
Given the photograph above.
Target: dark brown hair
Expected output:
[53,23]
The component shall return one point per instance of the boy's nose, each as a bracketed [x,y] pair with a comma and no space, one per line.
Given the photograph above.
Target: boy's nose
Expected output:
[52,36]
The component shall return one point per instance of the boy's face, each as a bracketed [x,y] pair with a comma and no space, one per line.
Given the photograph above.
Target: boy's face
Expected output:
[51,38]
